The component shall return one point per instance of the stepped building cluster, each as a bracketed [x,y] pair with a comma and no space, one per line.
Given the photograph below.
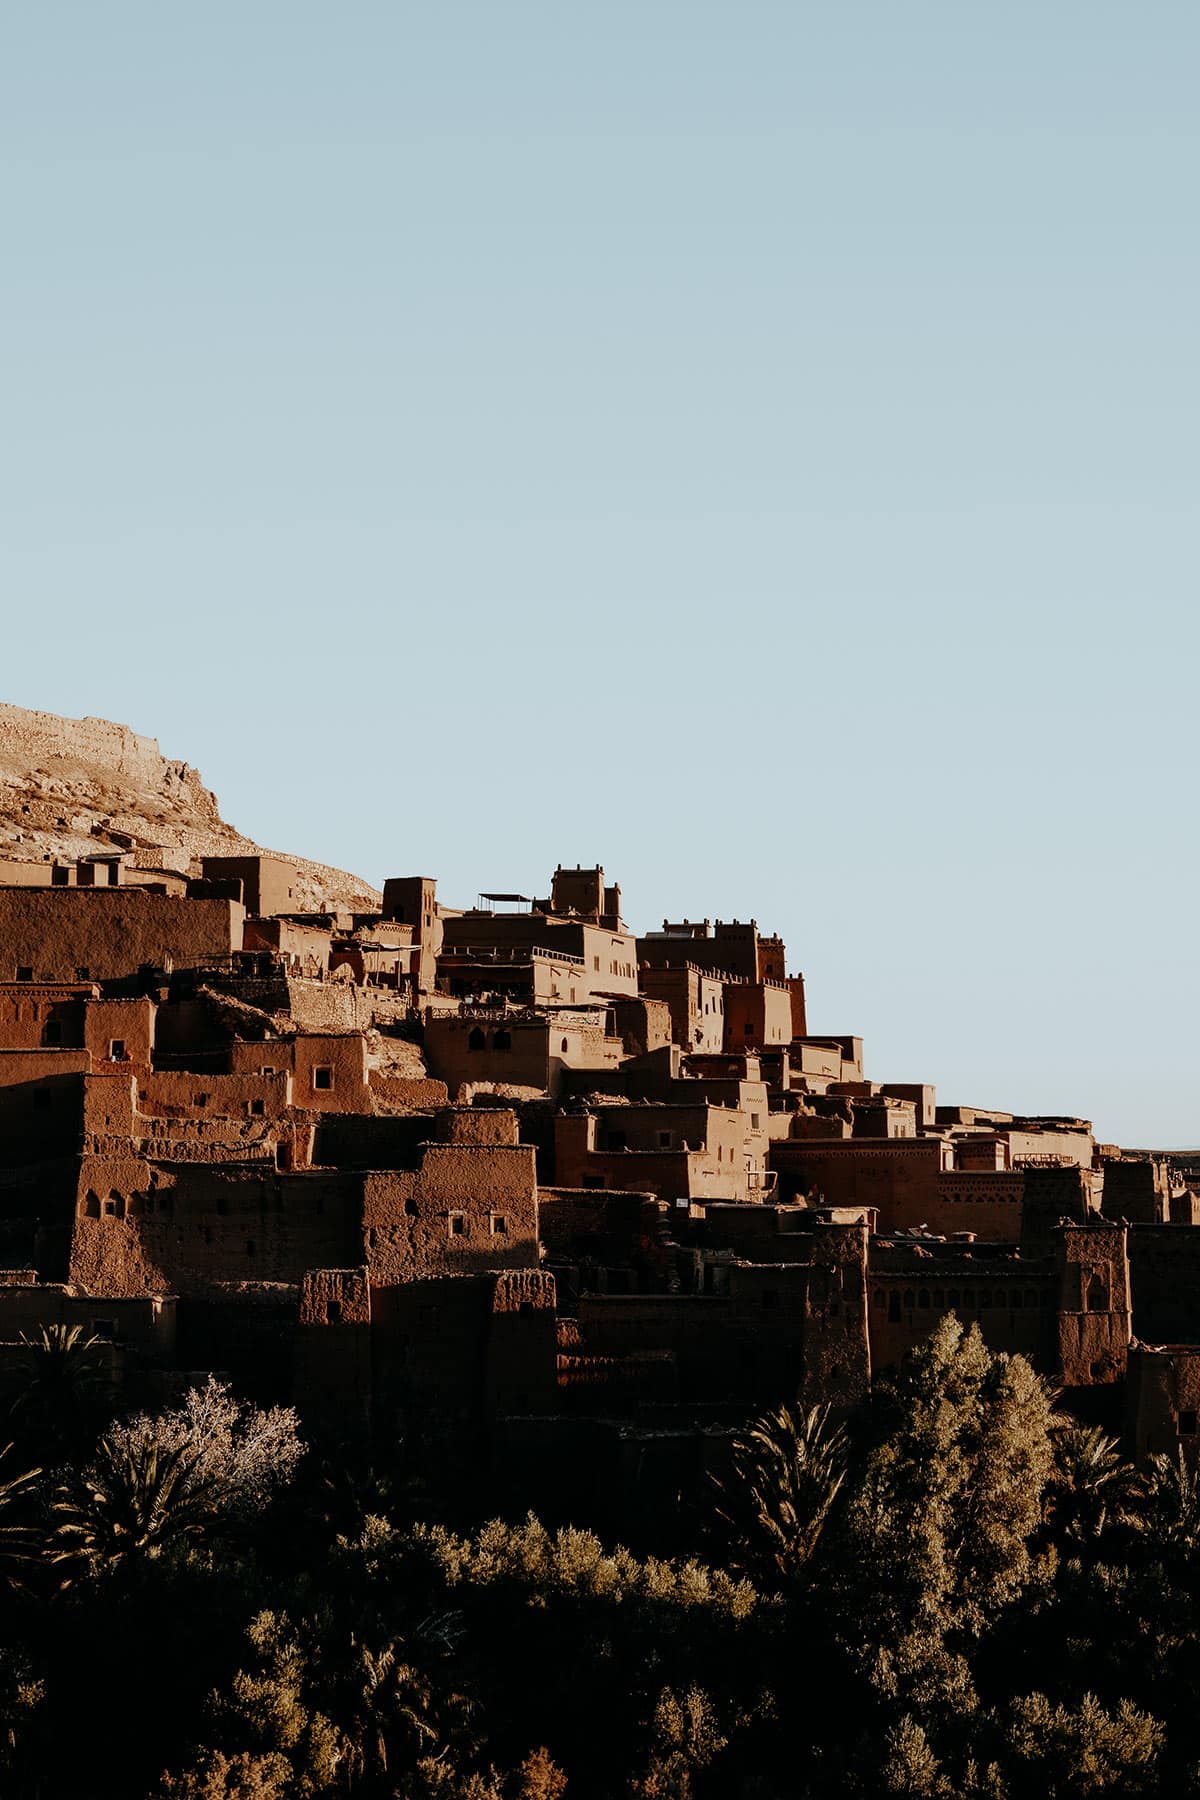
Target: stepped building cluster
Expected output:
[558,1202]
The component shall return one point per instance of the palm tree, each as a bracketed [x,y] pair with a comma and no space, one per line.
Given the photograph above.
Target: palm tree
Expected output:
[1090,1481]
[60,1401]
[1170,1490]
[132,1503]
[20,1544]
[786,1470]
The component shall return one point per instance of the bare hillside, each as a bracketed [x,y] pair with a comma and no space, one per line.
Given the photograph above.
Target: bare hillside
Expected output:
[72,786]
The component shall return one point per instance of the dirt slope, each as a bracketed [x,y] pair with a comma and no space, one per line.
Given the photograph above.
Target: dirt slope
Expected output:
[73,786]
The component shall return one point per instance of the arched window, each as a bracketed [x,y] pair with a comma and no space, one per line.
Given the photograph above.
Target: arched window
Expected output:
[502,1040]
[880,1300]
[1097,1294]
[923,1299]
[477,1041]
[565,1045]
[952,1299]
[909,1300]
[894,1306]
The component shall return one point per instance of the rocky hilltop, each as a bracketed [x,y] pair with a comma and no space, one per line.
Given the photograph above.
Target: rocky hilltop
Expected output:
[70,787]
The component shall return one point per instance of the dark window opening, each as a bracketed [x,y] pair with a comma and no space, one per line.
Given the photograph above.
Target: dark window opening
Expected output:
[52,1034]
[477,1041]
[458,1225]
[1187,1424]
[322,1078]
[116,1050]
[257,1109]
[251,1247]
[499,1225]
[24,972]
[502,1040]
[333,1312]
[1097,1295]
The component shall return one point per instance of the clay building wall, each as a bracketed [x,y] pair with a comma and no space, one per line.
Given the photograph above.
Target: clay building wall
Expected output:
[1138,1191]
[120,1031]
[429,1351]
[671,1151]
[511,1050]
[111,933]
[303,947]
[1163,1402]
[837,1351]
[603,1229]
[333,1351]
[696,1001]
[521,1366]
[1014,1301]
[1164,1263]
[144,1325]
[1094,1304]
[923,1097]
[179,1227]
[246,1330]
[643,1025]
[1028,1145]
[269,885]
[403,1093]
[43,1016]
[608,965]
[745,1346]
[897,1176]
[467,1208]
[988,1203]
[412,900]
[330,1072]
[758,1015]
[40,1109]
[181,1095]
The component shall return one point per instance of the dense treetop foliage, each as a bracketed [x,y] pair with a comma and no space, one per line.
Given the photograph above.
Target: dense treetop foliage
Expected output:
[958,1593]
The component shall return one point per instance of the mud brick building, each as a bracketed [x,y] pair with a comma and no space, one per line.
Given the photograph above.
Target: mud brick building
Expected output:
[563,1202]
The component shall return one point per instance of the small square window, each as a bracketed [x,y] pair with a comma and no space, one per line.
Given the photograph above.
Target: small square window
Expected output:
[664,1140]
[83,972]
[24,972]
[1187,1424]
[457,1225]
[116,1050]
[266,1070]
[322,1078]
[255,1108]
[201,1099]
[499,1225]
[755,1122]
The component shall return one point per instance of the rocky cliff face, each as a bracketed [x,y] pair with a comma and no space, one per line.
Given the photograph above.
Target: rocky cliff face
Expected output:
[69,787]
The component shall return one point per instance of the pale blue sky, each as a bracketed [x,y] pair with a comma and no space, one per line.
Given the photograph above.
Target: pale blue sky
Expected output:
[754,445]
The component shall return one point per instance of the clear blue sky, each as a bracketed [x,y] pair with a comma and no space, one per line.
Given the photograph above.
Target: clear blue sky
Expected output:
[753,445]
